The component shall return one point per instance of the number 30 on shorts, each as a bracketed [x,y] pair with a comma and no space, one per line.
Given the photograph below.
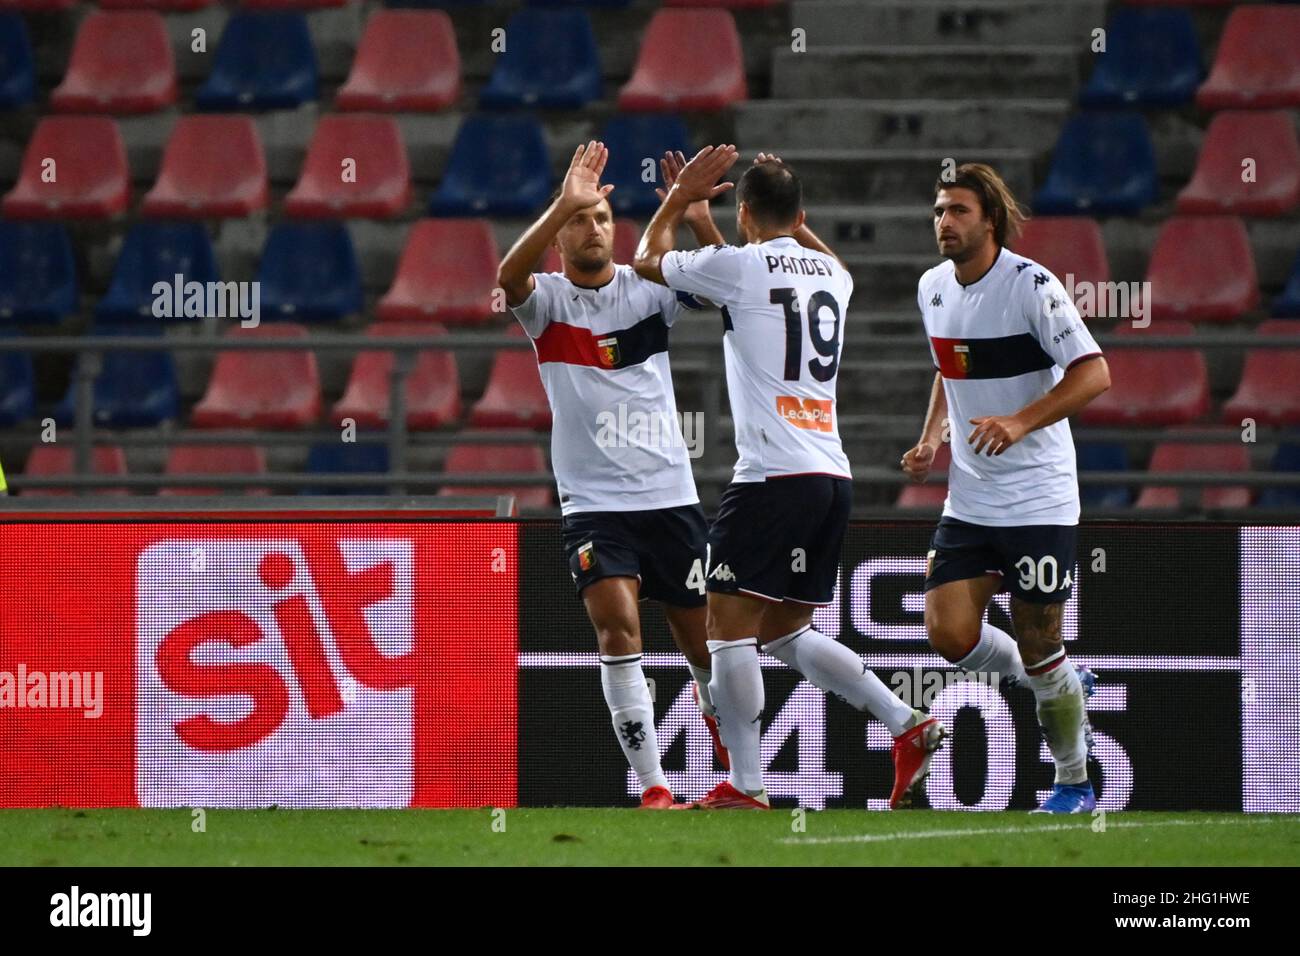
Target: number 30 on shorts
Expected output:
[1043,574]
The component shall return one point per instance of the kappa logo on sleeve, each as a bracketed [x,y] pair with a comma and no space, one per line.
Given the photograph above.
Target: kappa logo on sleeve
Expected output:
[814,414]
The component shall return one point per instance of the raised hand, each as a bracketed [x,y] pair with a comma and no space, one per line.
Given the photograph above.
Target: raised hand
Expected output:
[698,179]
[582,186]
[670,166]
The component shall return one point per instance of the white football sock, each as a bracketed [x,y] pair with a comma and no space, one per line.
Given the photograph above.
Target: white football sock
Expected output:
[1061,711]
[702,677]
[996,652]
[737,694]
[831,666]
[633,715]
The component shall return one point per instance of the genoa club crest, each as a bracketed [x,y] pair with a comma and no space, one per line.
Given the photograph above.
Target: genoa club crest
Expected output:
[587,556]
[608,349]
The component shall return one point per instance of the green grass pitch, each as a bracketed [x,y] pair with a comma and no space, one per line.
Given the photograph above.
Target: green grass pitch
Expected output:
[606,837]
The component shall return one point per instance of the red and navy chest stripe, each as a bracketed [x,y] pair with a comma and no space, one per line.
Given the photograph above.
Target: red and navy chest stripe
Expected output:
[572,345]
[1003,357]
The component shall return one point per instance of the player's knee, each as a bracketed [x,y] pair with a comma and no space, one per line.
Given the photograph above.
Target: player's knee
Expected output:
[618,638]
[951,640]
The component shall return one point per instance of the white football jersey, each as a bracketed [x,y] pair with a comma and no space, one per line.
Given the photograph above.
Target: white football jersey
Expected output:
[783,309]
[616,442]
[1001,343]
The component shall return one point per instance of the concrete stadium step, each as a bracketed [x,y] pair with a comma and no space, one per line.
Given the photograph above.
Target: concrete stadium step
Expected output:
[886,281]
[896,176]
[879,72]
[919,22]
[862,124]
[880,229]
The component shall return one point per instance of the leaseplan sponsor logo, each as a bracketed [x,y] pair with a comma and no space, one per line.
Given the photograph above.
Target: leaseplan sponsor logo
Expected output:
[77,909]
[815,414]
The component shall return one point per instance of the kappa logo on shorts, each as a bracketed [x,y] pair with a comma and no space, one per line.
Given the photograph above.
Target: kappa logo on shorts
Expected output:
[587,556]
[722,573]
[814,414]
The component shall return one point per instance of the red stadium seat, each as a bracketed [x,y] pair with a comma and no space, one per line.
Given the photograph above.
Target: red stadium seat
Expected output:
[432,389]
[467,458]
[1256,66]
[215,460]
[46,460]
[448,272]
[514,397]
[90,179]
[1270,382]
[689,60]
[262,389]
[212,167]
[382,179]
[626,236]
[934,492]
[406,60]
[1066,245]
[1202,269]
[121,63]
[1189,456]
[1151,386]
[1269,139]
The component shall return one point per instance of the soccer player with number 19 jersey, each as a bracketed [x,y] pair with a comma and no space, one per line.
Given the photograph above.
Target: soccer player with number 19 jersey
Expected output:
[774,547]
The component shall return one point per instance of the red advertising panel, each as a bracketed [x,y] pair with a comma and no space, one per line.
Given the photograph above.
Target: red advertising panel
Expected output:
[258,663]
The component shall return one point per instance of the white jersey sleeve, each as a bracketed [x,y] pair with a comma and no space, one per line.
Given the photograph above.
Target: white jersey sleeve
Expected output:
[711,271]
[1053,318]
[536,311]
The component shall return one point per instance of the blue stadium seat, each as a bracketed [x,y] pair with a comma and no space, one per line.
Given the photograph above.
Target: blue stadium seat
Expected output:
[344,457]
[1098,457]
[551,62]
[17,74]
[309,273]
[631,139]
[1287,458]
[17,388]
[498,166]
[265,61]
[597,4]
[1152,58]
[155,252]
[1287,305]
[133,389]
[38,277]
[1103,164]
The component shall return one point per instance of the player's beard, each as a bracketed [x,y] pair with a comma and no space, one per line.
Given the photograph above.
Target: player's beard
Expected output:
[959,252]
[590,260]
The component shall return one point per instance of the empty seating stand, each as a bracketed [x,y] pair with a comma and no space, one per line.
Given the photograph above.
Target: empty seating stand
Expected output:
[1171,457]
[17,387]
[38,276]
[264,61]
[470,458]
[132,390]
[514,397]
[49,460]
[262,388]
[155,252]
[1103,164]
[86,163]
[551,62]
[213,167]
[1152,58]
[1202,269]
[498,166]
[447,272]
[406,60]
[166,6]
[309,273]
[1270,381]
[356,166]
[121,63]
[1067,246]
[1152,386]
[1288,303]
[17,71]
[689,60]
[432,388]
[347,458]
[1256,66]
[1266,140]
[187,460]
[1286,458]
[1102,457]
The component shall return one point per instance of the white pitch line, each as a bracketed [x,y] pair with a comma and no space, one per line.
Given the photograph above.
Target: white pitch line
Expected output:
[1009,831]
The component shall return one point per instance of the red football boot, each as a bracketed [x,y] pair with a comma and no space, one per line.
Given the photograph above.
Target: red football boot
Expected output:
[719,750]
[657,798]
[912,752]
[726,797]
